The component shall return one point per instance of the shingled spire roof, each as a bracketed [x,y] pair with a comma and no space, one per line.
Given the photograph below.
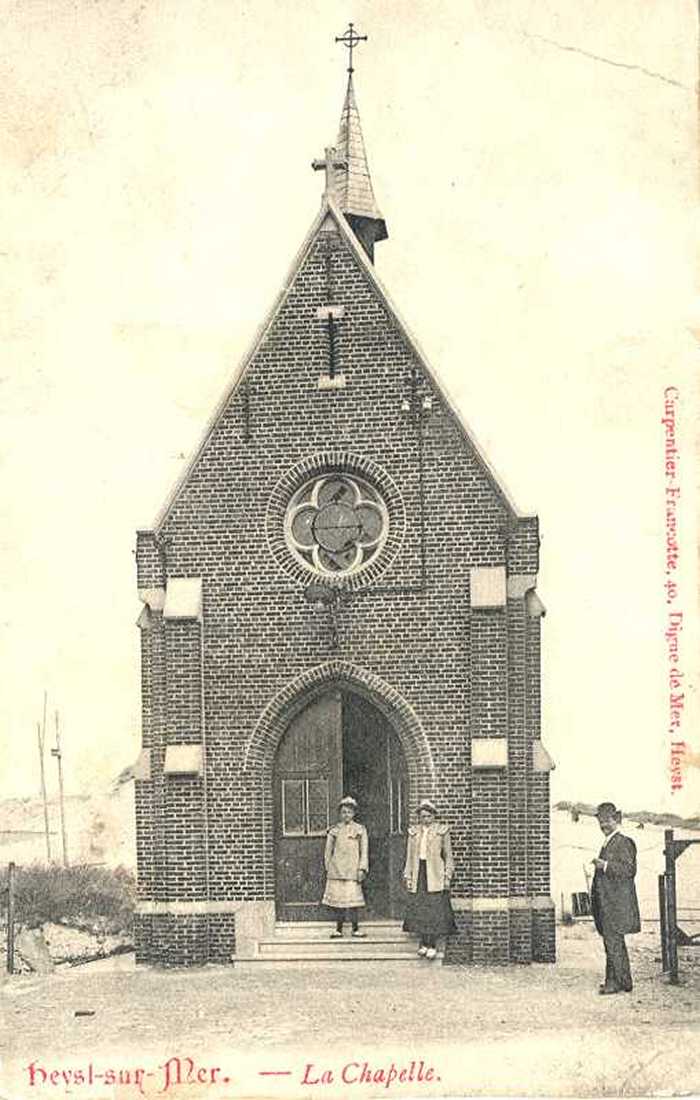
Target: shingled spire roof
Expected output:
[353,184]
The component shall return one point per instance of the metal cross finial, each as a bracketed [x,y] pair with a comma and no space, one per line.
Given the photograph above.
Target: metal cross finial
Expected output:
[350,39]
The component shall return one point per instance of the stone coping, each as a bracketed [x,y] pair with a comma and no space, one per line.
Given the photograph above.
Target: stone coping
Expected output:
[474,905]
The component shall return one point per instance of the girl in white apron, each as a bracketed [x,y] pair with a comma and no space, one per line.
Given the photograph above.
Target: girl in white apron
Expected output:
[347,864]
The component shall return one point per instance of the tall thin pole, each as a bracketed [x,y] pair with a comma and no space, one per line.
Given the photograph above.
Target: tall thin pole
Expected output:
[671,914]
[663,924]
[59,759]
[40,734]
[10,918]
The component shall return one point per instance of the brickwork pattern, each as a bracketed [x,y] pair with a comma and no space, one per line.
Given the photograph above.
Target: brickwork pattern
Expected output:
[490,865]
[168,939]
[491,932]
[222,937]
[145,946]
[519,751]
[488,669]
[176,939]
[538,833]
[458,948]
[521,935]
[543,936]
[150,571]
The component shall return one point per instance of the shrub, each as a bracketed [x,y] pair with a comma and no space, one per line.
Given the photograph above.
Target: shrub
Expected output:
[86,897]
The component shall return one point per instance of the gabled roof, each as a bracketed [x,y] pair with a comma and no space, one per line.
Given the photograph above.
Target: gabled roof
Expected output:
[353,186]
[329,208]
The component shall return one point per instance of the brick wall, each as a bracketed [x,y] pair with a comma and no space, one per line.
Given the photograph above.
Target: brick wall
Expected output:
[168,939]
[461,674]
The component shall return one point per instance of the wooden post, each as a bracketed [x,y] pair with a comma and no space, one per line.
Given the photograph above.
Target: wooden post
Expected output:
[41,730]
[59,760]
[671,914]
[663,923]
[10,918]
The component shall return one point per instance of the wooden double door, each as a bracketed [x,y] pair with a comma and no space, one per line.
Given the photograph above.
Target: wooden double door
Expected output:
[340,744]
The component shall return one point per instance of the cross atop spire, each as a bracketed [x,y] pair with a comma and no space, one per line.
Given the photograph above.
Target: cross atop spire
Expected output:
[350,39]
[348,182]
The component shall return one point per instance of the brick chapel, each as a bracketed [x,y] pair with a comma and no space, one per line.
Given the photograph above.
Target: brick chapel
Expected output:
[339,598]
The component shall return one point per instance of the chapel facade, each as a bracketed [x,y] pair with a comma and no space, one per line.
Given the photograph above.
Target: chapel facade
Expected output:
[338,598]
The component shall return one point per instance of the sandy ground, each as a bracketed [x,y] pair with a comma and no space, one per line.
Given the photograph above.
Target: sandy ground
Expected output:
[533,1030]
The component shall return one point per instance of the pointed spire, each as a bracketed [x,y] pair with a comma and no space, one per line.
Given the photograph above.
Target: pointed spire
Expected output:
[348,181]
[353,185]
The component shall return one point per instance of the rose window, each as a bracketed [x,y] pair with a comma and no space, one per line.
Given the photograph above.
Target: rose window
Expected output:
[336,524]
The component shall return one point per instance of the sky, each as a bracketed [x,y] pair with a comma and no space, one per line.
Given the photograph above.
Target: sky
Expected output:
[536,165]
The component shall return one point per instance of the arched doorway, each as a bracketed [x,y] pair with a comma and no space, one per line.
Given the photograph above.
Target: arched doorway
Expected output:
[340,743]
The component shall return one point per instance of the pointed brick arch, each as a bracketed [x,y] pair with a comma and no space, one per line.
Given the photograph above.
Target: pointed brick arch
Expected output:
[296,694]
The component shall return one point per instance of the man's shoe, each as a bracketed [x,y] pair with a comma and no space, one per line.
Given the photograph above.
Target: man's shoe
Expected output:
[422,951]
[359,934]
[336,935]
[431,953]
[605,989]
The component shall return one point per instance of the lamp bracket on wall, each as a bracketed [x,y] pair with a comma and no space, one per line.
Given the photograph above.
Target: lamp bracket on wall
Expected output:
[327,597]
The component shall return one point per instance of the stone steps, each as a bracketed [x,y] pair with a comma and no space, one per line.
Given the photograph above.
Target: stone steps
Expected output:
[261,962]
[331,949]
[310,942]
[311,930]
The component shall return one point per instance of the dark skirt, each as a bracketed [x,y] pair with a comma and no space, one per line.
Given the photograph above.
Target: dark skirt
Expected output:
[429,914]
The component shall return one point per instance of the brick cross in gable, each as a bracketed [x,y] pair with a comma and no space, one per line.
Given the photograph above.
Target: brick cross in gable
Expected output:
[331,313]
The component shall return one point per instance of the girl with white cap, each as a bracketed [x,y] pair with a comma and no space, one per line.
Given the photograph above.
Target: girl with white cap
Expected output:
[427,877]
[347,863]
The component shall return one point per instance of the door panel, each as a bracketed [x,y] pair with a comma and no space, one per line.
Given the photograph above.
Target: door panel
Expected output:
[307,784]
[375,774]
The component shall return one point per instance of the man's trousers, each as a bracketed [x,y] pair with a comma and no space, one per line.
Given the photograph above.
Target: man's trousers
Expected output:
[617,963]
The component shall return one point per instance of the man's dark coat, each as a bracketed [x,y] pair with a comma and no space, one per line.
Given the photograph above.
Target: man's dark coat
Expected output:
[613,897]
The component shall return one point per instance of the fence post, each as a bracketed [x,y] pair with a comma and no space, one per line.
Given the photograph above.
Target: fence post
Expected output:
[671,914]
[10,918]
[663,923]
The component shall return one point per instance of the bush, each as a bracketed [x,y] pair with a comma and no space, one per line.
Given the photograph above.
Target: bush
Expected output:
[90,898]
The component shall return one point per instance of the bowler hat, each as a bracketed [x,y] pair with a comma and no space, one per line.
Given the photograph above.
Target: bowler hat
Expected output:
[608,809]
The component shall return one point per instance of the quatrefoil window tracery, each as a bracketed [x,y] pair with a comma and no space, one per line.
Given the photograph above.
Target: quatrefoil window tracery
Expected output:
[336,524]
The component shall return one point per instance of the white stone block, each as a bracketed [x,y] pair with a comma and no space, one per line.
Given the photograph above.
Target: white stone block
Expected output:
[183,760]
[487,586]
[337,382]
[520,583]
[183,598]
[489,752]
[153,598]
[336,312]
[541,760]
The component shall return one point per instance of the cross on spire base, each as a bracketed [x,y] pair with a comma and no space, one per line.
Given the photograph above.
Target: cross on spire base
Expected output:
[331,162]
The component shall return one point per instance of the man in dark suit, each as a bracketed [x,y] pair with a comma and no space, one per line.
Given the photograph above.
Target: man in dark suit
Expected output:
[614,898]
